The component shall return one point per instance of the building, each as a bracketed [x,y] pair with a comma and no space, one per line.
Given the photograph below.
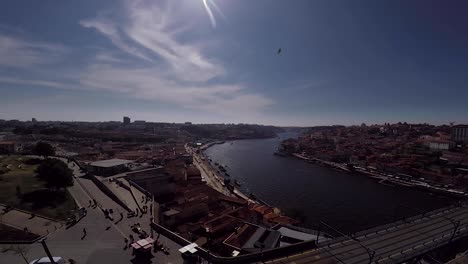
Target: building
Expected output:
[126,120]
[8,147]
[440,144]
[460,133]
[155,181]
[251,238]
[109,167]
[437,143]
[293,234]
[188,212]
[33,120]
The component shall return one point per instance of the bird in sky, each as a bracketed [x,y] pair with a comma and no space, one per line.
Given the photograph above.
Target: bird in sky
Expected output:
[279,51]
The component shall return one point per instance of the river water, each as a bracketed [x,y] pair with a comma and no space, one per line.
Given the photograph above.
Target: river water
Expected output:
[348,202]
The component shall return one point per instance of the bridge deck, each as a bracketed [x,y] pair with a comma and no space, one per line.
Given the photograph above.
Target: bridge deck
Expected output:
[391,243]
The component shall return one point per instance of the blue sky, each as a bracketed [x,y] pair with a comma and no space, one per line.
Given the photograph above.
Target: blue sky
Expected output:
[342,62]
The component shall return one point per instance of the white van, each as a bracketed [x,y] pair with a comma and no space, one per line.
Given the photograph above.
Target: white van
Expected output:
[58,260]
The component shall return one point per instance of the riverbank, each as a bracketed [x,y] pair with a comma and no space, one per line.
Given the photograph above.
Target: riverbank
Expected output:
[211,175]
[386,178]
[207,145]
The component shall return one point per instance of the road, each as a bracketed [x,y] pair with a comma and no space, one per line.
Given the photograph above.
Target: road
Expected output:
[391,244]
[212,179]
[104,240]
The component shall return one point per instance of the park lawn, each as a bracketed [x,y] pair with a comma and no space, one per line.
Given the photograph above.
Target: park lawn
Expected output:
[34,196]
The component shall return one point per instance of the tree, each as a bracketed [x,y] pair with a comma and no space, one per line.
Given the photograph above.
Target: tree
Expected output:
[43,149]
[55,173]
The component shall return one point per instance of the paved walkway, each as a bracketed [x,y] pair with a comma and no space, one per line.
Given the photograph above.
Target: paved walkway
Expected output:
[104,242]
[123,194]
[123,225]
[37,225]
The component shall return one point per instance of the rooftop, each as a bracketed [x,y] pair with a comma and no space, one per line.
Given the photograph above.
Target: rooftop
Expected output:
[241,236]
[110,163]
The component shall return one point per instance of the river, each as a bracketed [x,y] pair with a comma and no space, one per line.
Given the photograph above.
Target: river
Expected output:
[348,202]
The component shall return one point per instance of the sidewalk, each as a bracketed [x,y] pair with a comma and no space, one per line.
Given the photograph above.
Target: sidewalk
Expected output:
[37,225]
[122,193]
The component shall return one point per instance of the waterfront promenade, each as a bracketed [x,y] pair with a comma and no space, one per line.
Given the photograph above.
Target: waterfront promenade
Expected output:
[387,178]
[212,177]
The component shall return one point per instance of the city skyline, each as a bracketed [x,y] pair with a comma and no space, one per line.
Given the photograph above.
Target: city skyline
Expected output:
[217,62]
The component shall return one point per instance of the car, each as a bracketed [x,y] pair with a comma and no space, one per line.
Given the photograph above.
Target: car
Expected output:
[58,260]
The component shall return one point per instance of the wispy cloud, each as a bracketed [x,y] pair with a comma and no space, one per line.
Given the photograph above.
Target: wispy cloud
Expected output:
[157,65]
[177,72]
[17,52]
[32,82]
[108,29]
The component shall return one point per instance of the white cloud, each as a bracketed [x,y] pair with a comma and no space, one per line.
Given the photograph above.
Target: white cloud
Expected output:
[109,30]
[16,52]
[20,81]
[178,72]
[146,83]
[149,27]
[157,65]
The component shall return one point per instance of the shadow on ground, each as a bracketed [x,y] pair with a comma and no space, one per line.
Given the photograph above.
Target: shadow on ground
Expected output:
[142,258]
[32,161]
[10,234]
[44,198]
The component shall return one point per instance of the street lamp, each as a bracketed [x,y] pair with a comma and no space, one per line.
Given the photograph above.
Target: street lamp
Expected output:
[46,249]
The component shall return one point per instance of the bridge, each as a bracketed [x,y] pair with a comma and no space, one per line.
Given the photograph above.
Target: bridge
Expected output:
[404,240]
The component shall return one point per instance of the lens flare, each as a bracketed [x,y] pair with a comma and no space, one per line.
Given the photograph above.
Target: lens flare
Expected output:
[210,14]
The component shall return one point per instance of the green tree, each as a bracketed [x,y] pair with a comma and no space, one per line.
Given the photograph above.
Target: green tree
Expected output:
[44,149]
[55,173]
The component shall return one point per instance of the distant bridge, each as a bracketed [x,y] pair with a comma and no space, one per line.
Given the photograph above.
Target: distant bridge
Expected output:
[393,243]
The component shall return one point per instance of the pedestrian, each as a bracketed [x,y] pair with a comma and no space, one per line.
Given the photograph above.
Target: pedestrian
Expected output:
[84,231]
[121,215]
[94,201]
